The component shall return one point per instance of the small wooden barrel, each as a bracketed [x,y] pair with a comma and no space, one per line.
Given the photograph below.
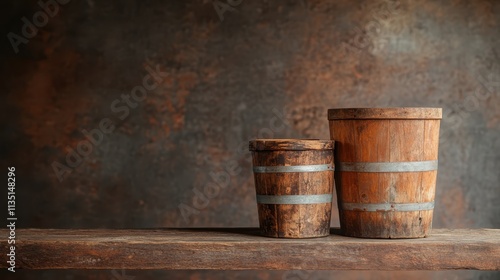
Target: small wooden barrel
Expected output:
[386,160]
[294,186]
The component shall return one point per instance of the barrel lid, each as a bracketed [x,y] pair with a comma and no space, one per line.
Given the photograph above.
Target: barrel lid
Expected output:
[290,144]
[385,113]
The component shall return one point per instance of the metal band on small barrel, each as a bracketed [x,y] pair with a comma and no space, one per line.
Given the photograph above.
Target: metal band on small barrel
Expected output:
[293,168]
[386,207]
[294,199]
[405,166]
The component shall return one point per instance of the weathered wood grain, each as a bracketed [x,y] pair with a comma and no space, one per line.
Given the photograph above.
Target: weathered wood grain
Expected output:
[385,113]
[385,135]
[244,249]
[290,144]
[303,220]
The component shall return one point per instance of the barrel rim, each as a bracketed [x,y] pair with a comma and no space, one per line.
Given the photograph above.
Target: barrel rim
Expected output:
[416,113]
[290,144]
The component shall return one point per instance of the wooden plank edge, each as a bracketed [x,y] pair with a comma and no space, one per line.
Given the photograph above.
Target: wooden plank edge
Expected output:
[332,253]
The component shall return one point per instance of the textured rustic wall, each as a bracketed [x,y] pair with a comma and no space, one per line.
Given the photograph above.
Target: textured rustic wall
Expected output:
[261,69]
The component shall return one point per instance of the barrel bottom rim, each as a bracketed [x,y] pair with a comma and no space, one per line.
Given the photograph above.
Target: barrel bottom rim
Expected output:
[295,237]
[425,235]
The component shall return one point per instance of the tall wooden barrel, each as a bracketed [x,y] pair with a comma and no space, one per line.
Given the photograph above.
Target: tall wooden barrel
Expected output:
[294,186]
[386,162]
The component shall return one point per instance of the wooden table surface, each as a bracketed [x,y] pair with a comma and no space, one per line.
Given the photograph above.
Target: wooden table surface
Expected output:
[244,249]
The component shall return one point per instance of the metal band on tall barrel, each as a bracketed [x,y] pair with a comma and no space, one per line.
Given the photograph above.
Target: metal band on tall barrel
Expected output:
[387,207]
[405,166]
[386,170]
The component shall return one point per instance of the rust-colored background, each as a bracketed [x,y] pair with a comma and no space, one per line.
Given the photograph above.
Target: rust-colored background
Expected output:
[268,69]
